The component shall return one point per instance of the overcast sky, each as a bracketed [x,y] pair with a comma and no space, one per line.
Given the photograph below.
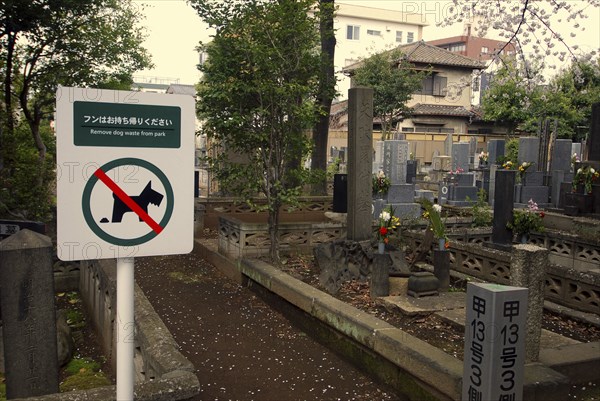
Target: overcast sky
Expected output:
[174,30]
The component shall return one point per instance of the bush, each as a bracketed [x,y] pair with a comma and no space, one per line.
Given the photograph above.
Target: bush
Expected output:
[482,215]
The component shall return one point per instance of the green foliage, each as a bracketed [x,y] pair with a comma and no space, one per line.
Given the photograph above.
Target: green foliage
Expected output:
[78,365]
[569,97]
[47,43]
[333,168]
[20,195]
[511,97]
[257,96]
[433,213]
[85,380]
[517,99]
[482,215]
[527,220]
[393,82]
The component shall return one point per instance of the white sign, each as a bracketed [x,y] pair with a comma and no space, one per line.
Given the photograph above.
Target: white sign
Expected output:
[125,173]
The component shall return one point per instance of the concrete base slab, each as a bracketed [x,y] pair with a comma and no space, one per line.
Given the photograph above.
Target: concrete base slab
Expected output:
[398,286]
[426,305]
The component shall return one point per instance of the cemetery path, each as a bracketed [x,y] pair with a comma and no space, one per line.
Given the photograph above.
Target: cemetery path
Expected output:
[241,348]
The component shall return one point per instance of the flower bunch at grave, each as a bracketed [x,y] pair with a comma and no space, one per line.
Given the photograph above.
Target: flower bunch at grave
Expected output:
[381,184]
[433,213]
[527,220]
[387,224]
[574,159]
[483,157]
[585,176]
[508,165]
[457,171]
[523,168]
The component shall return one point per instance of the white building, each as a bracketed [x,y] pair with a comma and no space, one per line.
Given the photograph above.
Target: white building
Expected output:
[364,31]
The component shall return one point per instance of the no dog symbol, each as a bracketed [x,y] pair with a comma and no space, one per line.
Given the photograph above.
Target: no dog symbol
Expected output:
[132,207]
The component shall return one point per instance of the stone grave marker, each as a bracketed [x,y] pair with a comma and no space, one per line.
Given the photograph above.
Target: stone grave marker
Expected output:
[528,151]
[28,315]
[378,162]
[561,155]
[448,145]
[495,150]
[593,143]
[460,156]
[401,194]
[503,207]
[360,163]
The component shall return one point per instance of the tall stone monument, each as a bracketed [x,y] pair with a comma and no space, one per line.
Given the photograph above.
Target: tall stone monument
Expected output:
[28,316]
[360,163]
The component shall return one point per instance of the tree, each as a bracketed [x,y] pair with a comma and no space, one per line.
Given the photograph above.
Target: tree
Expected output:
[521,103]
[393,82]
[569,98]
[529,24]
[46,43]
[511,99]
[326,92]
[256,97]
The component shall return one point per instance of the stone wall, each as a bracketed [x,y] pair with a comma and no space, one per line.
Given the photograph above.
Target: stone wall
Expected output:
[572,279]
[162,372]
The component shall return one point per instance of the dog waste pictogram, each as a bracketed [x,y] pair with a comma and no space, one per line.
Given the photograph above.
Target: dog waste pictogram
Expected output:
[125,202]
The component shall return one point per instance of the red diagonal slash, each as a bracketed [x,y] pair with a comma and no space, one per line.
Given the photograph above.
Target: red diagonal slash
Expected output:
[128,201]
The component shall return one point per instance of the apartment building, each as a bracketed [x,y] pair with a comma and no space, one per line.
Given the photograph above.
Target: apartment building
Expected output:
[364,31]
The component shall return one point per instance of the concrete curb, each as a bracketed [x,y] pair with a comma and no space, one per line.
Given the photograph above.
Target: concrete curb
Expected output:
[429,365]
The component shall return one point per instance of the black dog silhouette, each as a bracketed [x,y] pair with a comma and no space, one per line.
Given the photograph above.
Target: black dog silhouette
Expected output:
[148,196]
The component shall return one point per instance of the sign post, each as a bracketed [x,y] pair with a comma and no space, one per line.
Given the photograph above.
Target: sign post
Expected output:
[125,177]
[494,357]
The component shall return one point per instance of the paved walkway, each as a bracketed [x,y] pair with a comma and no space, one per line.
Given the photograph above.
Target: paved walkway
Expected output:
[240,347]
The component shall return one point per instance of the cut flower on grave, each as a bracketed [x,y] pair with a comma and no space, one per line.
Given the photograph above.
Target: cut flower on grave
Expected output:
[527,220]
[433,213]
[381,184]
[387,224]
[585,176]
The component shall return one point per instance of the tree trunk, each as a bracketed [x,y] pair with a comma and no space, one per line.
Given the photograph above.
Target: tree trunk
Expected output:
[274,233]
[326,93]
[7,136]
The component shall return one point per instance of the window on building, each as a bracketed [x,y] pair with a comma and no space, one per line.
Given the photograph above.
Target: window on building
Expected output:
[410,37]
[399,36]
[434,85]
[373,32]
[457,47]
[484,50]
[353,32]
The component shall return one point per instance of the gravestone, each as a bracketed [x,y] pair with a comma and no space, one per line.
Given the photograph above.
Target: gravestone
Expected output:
[401,194]
[495,150]
[561,155]
[503,207]
[473,150]
[395,157]
[360,160]
[411,171]
[378,162]
[532,187]
[593,142]
[28,315]
[528,151]
[462,189]
[448,145]
[460,156]
[492,187]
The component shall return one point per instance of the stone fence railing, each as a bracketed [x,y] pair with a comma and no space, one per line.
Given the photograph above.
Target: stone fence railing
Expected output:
[239,239]
[572,278]
[213,208]
[162,372]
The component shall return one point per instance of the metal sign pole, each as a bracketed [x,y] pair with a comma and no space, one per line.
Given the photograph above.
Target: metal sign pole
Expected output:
[125,326]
